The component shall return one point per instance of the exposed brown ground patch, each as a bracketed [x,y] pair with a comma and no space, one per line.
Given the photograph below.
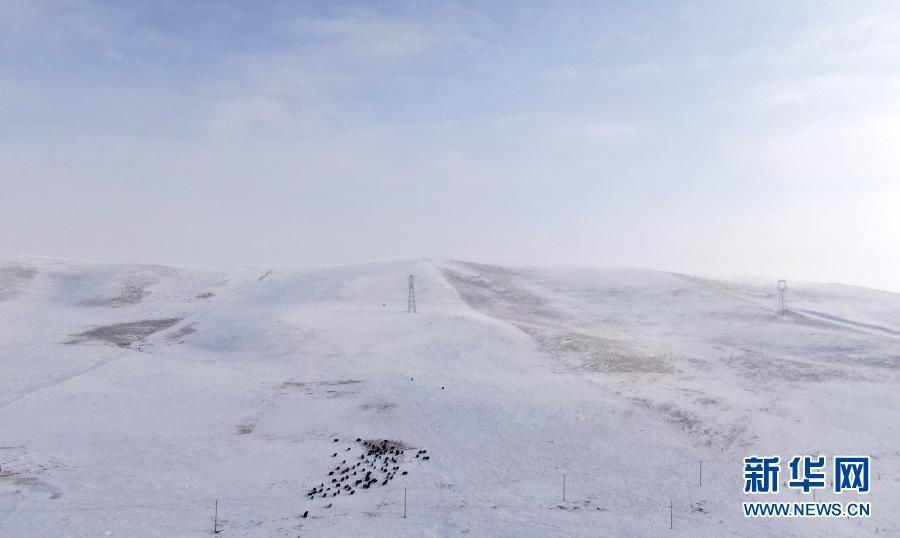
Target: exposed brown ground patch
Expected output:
[758,366]
[179,335]
[124,334]
[246,427]
[323,389]
[379,406]
[596,353]
[495,290]
[130,292]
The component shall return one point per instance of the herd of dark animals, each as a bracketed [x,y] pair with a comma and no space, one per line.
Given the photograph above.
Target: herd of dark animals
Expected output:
[377,466]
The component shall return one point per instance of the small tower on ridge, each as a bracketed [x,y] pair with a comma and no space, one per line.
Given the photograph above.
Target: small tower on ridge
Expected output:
[782,289]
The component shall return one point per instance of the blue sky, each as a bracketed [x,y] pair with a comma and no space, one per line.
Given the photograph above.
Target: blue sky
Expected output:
[753,138]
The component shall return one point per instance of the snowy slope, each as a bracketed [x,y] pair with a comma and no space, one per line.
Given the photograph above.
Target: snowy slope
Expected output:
[134,397]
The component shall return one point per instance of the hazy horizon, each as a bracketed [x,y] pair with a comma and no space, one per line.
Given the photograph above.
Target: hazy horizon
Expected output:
[748,138]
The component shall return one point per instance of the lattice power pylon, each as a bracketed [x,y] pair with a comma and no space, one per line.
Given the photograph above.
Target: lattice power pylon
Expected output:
[411,303]
[782,289]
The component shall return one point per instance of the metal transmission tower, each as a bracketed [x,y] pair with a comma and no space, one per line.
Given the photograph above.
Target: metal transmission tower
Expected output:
[782,289]
[411,303]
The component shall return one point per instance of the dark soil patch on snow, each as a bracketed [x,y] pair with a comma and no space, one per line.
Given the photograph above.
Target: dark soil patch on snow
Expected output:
[323,389]
[377,406]
[246,428]
[124,334]
[596,353]
[499,292]
[129,293]
[179,335]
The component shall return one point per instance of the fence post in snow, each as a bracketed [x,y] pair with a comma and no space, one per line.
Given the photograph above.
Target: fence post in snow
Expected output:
[782,289]
[671,516]
[701,473]
[564,487]
[411,301]
[216,518]
[404,503]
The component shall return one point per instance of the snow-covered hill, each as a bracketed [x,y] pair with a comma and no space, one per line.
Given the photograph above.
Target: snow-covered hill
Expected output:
[134,397]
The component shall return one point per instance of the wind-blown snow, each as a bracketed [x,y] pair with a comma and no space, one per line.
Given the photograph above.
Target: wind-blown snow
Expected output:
[133,397]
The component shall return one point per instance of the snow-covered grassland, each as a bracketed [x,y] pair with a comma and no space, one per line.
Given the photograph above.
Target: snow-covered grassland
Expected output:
[132,397]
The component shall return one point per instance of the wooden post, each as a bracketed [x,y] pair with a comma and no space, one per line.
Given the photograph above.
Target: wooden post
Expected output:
[216,518]
[671,516]
[564,487]
[701,473]
[404,503]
